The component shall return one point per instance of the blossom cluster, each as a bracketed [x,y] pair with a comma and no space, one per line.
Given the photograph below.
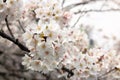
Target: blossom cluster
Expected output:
[55,44]
[10,8]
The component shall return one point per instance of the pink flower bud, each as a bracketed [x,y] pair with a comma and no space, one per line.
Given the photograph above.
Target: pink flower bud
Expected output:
[67,15]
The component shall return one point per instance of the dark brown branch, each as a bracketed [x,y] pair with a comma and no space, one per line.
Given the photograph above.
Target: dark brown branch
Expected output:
[21,26]
[70,73]
[15,41]
[7,24]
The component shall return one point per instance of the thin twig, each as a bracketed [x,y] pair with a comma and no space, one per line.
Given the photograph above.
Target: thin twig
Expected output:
[95,10]
[78,20]
[21,26]
[15,41]
[80,3]
[100,77]
[7,24]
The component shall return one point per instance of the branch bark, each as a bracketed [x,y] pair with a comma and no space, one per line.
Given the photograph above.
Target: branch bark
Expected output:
[70,73]
[15,41]
[21,26]
[7,24]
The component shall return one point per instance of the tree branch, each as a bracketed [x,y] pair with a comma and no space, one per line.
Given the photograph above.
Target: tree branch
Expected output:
[80,3]
[70,73]
[21,26]
[7,24]
[95,10]
[15,41]
[111,70]
[78,20]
